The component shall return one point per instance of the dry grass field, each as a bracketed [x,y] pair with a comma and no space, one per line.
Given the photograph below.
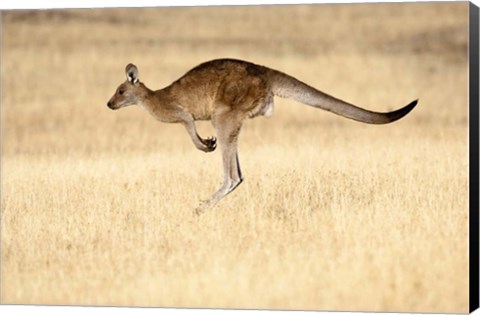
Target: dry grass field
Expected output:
[97,206]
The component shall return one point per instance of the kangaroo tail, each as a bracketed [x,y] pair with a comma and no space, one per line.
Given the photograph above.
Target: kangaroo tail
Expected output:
[288,87]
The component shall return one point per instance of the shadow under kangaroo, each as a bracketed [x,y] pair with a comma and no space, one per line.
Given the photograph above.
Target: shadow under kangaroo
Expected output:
[228,91]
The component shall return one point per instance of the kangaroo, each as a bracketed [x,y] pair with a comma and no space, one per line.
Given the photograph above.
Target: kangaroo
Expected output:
[228,91]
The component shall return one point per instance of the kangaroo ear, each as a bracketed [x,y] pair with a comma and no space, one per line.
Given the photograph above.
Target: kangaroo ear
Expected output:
[132,73]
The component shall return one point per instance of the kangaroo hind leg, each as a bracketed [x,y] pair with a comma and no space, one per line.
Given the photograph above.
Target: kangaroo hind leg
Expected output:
[228,130]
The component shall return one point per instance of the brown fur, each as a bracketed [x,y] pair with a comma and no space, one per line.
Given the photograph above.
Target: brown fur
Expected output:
[228,91]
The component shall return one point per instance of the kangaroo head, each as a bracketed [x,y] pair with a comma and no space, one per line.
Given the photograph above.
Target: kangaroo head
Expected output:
[128,92]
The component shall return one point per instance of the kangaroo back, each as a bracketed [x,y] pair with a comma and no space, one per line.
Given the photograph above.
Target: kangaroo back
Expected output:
[287,86]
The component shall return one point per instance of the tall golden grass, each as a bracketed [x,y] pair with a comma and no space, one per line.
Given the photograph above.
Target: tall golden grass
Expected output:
[97,206]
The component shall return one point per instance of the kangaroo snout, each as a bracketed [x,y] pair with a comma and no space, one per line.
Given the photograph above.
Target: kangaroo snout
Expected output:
[110,105]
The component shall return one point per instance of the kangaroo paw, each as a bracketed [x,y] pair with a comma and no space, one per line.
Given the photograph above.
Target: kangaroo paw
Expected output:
[210,144]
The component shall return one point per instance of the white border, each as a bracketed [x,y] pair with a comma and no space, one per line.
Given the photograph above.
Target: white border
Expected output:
[77,310]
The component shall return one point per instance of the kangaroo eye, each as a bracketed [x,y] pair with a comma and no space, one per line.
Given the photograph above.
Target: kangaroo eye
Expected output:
[120,92]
